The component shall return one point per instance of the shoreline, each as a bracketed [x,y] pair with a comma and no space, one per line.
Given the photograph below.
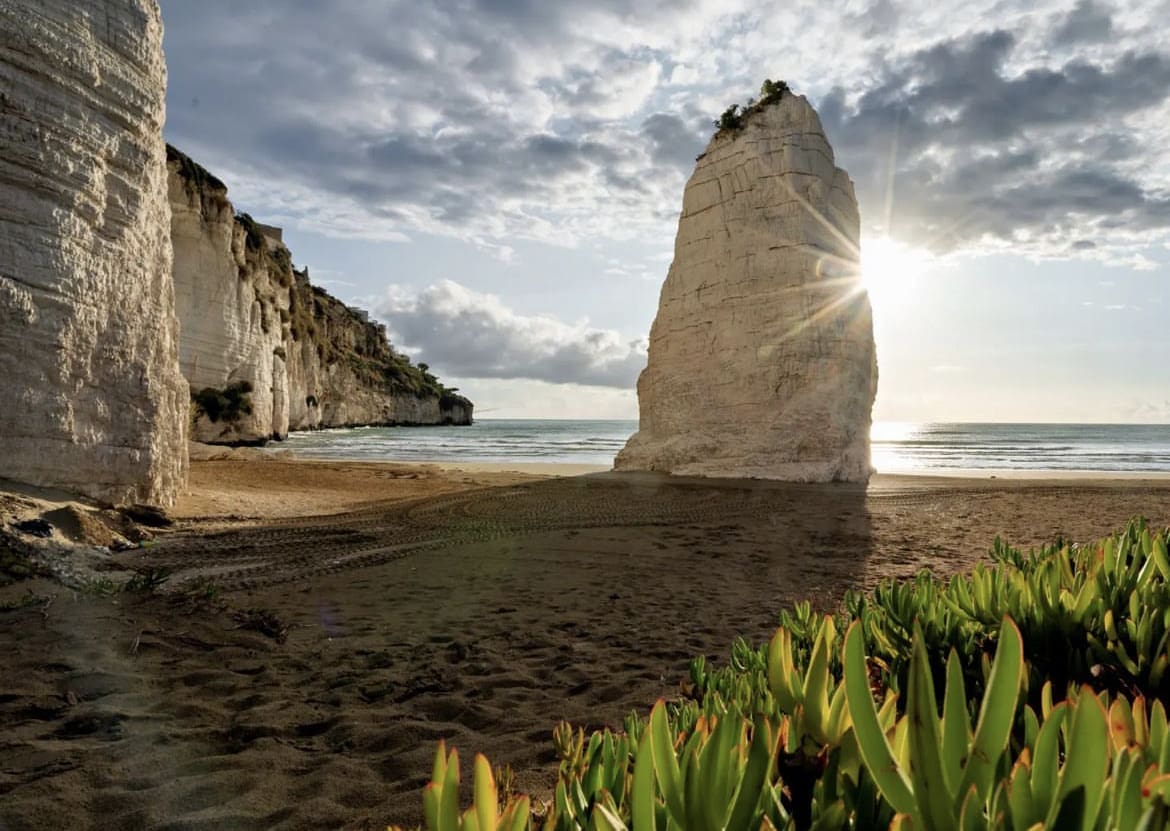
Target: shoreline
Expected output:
[563,468]
[232,486]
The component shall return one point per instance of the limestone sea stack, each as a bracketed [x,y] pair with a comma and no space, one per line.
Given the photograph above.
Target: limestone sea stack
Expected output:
[761,358]
[93,400]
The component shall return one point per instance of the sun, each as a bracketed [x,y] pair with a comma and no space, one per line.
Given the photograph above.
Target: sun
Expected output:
[890,270]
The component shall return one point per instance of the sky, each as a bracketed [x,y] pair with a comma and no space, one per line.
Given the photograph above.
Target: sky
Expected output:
[500,180]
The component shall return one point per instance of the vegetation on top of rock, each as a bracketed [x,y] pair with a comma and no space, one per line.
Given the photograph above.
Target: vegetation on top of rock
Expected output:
[772,91]
[735,117]
[732,119]
[282,257]
[394,371]
[227,405]
[338,335]
[450,399]
[253,237]
[195,174]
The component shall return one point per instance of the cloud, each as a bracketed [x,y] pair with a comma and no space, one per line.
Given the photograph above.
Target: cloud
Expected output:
[673,142]
[486,120]
[973,152]
[467,334]
[1086,23]
[1147,411]
[522,398]
[501,120]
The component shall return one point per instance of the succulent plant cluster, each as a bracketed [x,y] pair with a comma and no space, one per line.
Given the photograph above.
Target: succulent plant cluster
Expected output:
[1049,666]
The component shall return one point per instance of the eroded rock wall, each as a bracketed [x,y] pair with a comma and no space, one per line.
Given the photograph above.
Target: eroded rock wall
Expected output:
[93,398]
[248,317]
[761,358]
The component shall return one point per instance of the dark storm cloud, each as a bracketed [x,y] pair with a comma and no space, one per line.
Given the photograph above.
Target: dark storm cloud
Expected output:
[983,151]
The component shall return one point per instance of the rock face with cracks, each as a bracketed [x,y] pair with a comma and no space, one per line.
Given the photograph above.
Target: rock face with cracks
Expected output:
[93,398]
[251,321]
[761,360]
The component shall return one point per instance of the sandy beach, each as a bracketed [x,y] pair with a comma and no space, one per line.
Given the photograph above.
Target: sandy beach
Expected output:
[325,623]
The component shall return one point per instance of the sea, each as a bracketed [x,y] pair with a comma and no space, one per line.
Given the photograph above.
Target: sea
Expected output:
[897,447]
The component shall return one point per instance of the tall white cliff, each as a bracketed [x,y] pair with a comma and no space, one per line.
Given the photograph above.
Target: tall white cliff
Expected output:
[93,399]
[248,318]
[761,359]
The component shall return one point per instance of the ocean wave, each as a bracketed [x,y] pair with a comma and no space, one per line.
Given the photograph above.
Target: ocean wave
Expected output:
[1062,447]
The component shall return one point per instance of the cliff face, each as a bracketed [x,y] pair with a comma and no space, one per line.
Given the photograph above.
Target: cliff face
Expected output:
[264,351]
[93,398]
[761,359]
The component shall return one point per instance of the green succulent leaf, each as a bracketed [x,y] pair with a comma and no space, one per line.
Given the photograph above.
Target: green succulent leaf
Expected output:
[517,816]
[1046,760]
[1086,762]
[448,807]
[666,764]
[756,776]
[486,799]
[956,727]
[642,807]
[606,819]
[936,802]
[997,712]
[816,683]
[871,739]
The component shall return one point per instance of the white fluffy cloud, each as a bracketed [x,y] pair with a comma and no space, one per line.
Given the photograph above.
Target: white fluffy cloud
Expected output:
[468,334]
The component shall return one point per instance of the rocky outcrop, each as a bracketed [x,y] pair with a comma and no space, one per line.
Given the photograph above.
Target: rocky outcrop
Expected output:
[761,359]
[264,351]
[89,374]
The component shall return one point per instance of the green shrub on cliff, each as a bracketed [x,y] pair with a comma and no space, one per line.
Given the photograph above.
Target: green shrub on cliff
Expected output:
[772,91]
[924,707]
[449,399]
[732,119]
[227,405]
[282,260]
[195,175]
[253,238]
[735,117]
[361,346]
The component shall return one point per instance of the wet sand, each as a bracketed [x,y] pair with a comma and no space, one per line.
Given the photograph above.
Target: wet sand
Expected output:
[480,606]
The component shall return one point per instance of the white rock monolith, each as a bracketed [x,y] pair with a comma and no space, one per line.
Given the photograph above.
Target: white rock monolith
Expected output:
[92,397]
[761,358]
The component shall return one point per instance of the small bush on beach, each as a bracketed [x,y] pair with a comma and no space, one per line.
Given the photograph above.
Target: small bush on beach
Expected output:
[1029,694]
